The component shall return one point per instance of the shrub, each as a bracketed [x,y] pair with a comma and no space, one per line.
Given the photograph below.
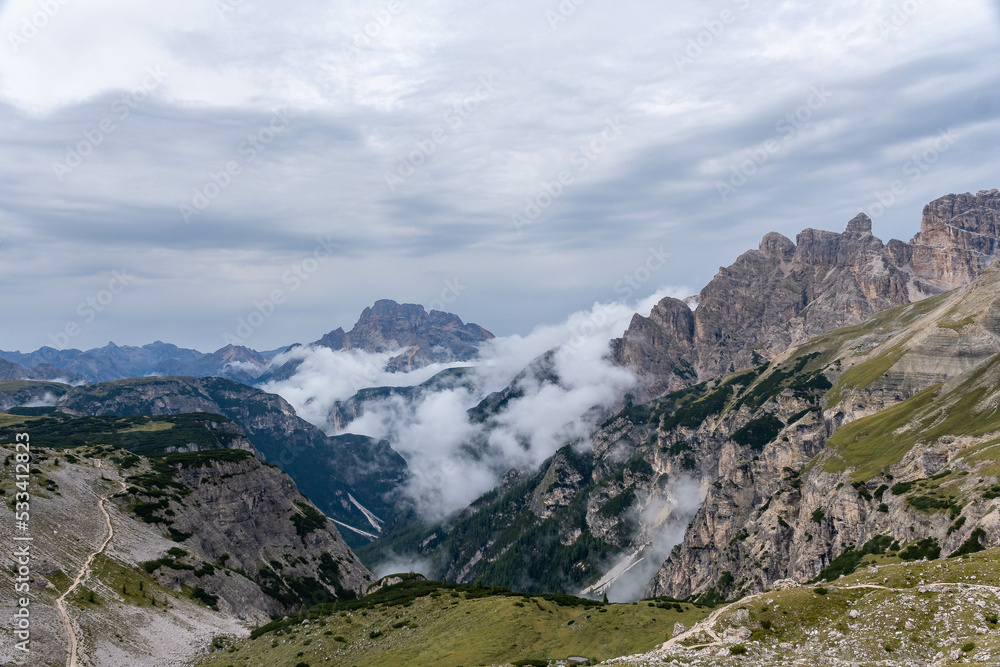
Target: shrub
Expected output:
[926,548]
[759,432]
[900,488]
[972,545]
[738,649]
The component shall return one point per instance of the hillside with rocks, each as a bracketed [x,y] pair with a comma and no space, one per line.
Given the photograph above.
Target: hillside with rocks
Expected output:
[170,535]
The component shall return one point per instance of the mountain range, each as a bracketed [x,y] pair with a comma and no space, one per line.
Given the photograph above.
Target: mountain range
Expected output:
[422,338]
[826,403]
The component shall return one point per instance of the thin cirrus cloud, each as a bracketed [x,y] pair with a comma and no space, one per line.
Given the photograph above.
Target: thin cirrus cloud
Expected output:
[413,148]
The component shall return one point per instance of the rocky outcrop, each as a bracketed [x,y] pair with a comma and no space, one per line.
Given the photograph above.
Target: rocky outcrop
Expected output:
[427,337]
[783,293]
[959,236]
[661,345]
[250,517]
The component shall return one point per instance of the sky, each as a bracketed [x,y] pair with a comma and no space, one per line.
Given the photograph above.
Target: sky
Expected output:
[168,170]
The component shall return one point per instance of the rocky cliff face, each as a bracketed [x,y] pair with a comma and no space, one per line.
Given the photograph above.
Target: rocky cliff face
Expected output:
[249,517]
[784,293]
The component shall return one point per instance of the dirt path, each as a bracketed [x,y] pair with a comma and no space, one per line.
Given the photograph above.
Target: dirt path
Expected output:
[83,574]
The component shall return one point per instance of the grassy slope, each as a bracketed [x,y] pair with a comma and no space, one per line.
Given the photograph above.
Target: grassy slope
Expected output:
[896,619]
[449,628]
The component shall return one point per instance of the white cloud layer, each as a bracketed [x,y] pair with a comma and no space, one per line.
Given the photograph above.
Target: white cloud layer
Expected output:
[454,460]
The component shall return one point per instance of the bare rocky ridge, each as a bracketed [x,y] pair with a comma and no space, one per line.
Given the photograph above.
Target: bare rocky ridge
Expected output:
[903,448]
[783,293]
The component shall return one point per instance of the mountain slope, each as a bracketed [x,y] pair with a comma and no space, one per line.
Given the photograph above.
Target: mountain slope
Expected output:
[330,470]
[887,429]
[414,622]
[202,541]
[903,447]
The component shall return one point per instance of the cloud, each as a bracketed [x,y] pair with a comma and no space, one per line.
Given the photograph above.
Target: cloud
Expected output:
[360,112]
[454,459]
[662,521]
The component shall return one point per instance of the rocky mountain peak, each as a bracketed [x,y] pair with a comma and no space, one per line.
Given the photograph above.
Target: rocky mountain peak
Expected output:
[859,224]
[959,237]
[427,337]
[777,245]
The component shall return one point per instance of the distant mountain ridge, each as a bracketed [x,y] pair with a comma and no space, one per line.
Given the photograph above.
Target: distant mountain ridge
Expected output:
[386,326]
[114,362]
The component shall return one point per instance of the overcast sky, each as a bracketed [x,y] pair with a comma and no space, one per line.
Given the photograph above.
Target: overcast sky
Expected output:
[209,150]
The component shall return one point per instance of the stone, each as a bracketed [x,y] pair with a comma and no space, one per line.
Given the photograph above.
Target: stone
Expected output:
[736,635]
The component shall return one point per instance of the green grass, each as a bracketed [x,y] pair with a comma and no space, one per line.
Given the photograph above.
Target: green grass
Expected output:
[862,375]
[871,444]
[448,631]
[950,324]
